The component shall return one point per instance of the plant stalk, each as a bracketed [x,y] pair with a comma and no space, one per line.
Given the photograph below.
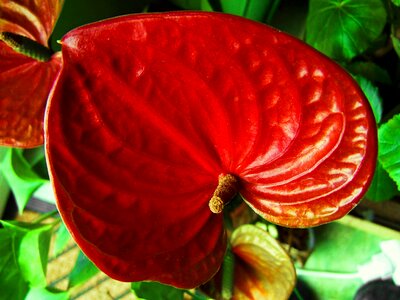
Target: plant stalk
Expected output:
[228,267]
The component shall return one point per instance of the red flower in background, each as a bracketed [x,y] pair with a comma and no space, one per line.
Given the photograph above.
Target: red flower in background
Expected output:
[153,115]
[25,81]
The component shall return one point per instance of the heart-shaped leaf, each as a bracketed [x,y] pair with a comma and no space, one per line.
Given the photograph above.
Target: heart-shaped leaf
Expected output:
[143,134]
[344,29]
[389,148]
[24,81]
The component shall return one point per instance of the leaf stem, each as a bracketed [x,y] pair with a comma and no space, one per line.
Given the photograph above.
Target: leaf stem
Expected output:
[323,274]
[45,216]
[297,293]
[228,267]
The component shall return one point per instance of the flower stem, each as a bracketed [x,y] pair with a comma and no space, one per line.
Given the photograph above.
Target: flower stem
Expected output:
[228,267]
[45,216]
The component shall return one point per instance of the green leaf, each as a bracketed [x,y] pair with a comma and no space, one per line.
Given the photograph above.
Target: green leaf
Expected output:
[206,5]
[12,283]
[155,291]
[22,180]
[45,193]
[340,248]
[83,270]
[252,9]
[46,294]
[396,2]
[389,148]
[372,94]
[30,244]
[23,251]
[370,71]
[344,29]
[61,240]
[382,187]
[396,44]
[4,193]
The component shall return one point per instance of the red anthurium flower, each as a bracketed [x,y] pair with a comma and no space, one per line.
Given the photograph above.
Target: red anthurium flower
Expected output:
[158,120]
[26,77]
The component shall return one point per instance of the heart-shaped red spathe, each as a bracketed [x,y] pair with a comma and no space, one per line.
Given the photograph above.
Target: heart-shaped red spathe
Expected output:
[150,109]
[25,82]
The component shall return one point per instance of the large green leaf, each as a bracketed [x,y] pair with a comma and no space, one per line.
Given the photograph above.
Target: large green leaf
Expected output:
[83,270]
[22,180]
[342,29]
[23,251]
[155,290]
[341,247]
[389,148]
[382,187]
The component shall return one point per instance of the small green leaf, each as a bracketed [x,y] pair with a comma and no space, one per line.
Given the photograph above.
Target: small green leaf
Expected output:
[22,180]
[382,187]
[83,270]
[389,148]
[46,294]
[155,290]
[372,94]
[61,240]
[396,44]
[344,29]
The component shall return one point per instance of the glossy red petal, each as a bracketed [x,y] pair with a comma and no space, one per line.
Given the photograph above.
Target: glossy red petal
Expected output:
[330,163]
[24,87]
[150,109]
[33,19]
